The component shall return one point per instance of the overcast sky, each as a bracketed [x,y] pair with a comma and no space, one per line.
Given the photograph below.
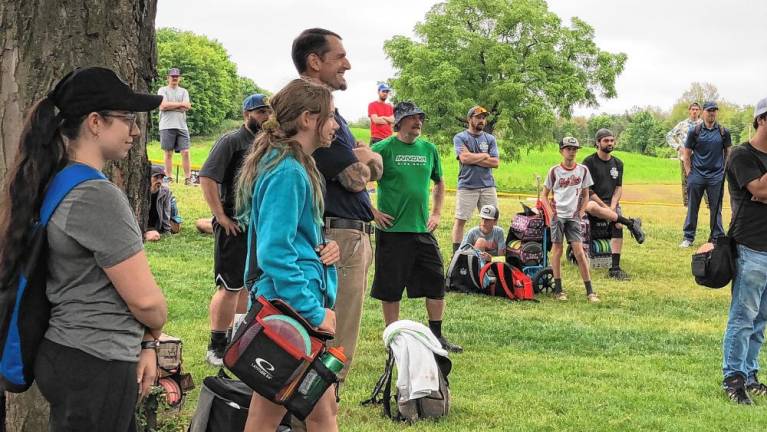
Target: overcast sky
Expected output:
[669,43]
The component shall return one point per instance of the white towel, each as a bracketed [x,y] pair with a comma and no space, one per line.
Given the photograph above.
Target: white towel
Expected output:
[414,346]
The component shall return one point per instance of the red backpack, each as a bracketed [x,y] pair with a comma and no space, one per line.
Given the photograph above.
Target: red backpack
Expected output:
[510,281]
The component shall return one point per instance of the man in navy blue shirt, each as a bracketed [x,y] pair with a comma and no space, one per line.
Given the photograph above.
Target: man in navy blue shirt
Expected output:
[705,151]
[347,167]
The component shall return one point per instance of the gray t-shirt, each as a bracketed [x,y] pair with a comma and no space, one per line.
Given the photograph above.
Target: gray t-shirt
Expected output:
[92,228]
[496,237]
[475,176]
[173,119]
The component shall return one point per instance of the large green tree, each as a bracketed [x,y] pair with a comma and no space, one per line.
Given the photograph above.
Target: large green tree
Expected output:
[644,134]
[516,58]
[209,75]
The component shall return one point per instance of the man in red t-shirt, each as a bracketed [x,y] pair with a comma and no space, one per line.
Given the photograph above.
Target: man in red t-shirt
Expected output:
[381,116]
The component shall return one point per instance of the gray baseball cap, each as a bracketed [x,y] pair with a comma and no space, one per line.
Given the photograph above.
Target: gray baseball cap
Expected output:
[761,108]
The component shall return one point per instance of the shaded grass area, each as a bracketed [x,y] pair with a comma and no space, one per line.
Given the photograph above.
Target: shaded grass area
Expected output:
[647,358]
[511,176]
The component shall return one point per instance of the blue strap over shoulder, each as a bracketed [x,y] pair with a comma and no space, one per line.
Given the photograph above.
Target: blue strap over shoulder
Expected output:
[62,183]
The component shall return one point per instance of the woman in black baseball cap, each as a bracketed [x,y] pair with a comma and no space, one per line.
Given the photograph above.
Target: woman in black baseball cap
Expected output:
[105,305]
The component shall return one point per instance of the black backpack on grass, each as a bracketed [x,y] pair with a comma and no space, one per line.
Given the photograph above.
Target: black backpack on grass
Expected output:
[463,271]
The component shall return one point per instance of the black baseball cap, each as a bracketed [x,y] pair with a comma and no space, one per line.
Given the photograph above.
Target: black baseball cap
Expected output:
[85,90]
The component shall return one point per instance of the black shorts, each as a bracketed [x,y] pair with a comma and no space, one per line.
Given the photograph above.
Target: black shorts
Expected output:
[411,260]
[229,254]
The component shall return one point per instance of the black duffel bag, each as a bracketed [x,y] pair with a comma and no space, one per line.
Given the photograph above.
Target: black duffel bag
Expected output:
[714,265]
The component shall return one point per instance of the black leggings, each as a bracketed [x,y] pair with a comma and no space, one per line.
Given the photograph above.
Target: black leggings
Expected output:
[85,392]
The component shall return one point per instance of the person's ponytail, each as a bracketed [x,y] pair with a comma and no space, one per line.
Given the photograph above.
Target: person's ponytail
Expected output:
[41,154]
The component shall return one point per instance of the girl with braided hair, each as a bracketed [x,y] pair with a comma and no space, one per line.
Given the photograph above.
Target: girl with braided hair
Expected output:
[280,198]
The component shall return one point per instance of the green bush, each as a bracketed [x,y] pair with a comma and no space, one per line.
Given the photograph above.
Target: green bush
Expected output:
[215,89]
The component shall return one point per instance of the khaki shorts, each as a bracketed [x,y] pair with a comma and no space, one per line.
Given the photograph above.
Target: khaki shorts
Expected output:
[466,200]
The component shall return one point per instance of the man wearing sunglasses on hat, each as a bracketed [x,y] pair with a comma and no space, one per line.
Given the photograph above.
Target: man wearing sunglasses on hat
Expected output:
[381,116]
[477,154]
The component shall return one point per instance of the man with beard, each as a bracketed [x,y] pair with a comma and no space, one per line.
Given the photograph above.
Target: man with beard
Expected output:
[705,152]
[381,116]
[477,153]
[347,166]
[407,253]
[677,136]
[607,172]
[218,179]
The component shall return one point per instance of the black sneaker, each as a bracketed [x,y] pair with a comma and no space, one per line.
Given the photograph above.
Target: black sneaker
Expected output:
[636,230]
[735,389]
[618,273]
[449,347]
[756,388]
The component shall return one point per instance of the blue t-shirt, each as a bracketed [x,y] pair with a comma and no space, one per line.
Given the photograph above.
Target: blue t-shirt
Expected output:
[340,202]
[707,152]
[475,176]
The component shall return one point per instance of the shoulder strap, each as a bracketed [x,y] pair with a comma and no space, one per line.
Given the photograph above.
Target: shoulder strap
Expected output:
[66,180]
[382,390]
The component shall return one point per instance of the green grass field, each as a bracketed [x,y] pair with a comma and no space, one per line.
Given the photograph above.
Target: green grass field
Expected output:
[647,358]
[511,176]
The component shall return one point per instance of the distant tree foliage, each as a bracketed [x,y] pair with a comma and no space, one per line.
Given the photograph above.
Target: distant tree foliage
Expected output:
[208,74]
[516,58]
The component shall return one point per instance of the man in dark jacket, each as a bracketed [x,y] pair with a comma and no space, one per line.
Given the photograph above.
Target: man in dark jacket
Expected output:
[163,213]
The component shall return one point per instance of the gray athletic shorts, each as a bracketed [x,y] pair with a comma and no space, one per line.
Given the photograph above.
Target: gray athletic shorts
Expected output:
[174,139]
[562,228]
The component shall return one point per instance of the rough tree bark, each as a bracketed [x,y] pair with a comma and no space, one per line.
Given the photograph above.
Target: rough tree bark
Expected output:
[42,40]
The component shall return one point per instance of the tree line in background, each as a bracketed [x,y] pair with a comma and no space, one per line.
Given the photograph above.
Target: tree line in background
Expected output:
[517,59]
[210,76]
[643,130]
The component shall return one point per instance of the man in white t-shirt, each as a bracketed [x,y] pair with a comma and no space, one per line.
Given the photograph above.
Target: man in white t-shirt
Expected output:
[174,133]
[569,181]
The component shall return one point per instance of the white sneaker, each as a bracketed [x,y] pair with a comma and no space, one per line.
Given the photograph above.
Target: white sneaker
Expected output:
[685,243]
[213,359]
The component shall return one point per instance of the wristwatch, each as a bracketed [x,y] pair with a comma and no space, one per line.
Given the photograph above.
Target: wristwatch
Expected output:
[150,344]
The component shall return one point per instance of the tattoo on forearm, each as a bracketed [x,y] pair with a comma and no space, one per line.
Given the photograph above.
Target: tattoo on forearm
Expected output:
[355,177]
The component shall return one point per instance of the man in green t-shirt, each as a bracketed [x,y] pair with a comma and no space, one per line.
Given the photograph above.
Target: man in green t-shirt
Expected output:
[407,254]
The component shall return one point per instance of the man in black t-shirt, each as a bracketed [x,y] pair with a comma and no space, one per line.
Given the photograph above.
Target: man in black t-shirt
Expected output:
[347,167]
[744,335]
[607,172]
[218,179]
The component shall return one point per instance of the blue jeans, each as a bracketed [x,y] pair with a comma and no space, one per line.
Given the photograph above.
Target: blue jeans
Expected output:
[713,189]
[744,335]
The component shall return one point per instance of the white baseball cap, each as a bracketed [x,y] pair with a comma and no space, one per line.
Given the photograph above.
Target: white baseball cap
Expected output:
[761,108]
[488,212]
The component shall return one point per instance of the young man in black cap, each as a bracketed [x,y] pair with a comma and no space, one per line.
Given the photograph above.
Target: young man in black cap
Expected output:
[604,203]
[407,253]
[705,151]
[218,179]
[174,133]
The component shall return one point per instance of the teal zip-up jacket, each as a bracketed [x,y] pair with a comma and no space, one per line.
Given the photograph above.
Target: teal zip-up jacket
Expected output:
[286,236]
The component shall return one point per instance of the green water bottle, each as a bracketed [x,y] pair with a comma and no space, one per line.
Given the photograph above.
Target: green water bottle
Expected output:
[313,386]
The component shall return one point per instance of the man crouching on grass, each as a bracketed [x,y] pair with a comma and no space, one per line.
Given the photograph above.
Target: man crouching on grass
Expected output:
[570,182]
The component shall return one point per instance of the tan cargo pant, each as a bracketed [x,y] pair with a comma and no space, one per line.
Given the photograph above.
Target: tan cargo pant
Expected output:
[356,257]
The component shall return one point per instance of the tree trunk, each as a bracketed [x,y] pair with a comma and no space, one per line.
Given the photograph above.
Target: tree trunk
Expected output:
[41,41]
